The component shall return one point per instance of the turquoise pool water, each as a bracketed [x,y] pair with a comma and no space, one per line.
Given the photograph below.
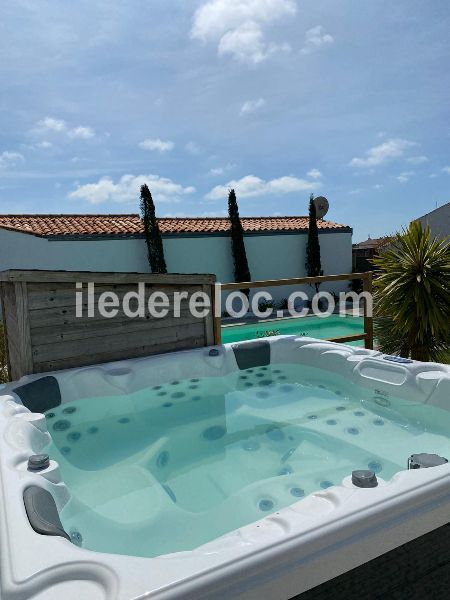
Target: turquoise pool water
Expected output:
[170,468]
[322,328]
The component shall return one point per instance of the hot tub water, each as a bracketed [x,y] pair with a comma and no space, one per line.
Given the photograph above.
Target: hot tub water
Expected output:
[172,467]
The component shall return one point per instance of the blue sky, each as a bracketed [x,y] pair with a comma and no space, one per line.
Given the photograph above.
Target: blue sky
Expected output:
[278,98]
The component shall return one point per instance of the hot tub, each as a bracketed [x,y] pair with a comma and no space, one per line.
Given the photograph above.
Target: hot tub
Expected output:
[251,470]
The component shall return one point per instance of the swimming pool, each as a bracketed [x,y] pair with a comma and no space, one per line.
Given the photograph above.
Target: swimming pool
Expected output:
[321,328]
[218,473]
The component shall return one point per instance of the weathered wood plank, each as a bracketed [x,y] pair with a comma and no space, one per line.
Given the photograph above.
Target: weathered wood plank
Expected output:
[45,332]
[293,281]
[17,328]
[9,311]
[348,338]
[87,328]
[23,327]
[65,317]
[9,326]
[41,296]
[209,319]
[110,278]
[109,344]
[217,319]
[368,319]
[93,359]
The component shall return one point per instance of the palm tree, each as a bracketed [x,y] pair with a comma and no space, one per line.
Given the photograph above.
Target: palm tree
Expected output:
[412,295]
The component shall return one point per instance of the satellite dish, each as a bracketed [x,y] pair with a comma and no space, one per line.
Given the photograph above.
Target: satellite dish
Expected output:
[322,206]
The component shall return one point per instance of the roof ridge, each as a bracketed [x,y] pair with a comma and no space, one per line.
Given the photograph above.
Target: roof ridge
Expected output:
[241,216]
[25,215]
[51,225]
[64,215]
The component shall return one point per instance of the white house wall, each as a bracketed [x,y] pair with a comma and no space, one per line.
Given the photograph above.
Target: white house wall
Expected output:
[208,254]
[23,251]
[269,256]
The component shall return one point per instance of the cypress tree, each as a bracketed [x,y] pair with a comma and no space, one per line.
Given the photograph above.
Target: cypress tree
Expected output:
[241,270]
[152,233]
[313,265]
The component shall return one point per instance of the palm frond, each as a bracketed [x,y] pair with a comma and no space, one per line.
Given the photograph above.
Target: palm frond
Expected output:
[412,295]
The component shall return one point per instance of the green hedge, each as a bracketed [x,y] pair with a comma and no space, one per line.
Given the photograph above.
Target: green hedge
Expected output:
[3,362]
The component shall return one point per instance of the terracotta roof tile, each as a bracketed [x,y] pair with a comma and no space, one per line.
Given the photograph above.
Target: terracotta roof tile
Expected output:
[127,225]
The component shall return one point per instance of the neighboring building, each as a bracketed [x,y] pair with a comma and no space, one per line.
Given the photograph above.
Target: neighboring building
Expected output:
[363,252]
[438,220]
[276,246]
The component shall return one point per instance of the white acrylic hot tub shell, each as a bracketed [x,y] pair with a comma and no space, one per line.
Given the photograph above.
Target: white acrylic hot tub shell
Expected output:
[287,552]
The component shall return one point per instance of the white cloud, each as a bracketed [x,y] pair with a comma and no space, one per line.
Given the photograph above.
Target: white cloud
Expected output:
[315,38]
[216,171]
[251,106]
[50,125]
[82,133]
[10,159]
[251,187]
[216,17]
[314,174]
[193,148]
[247,44]
[446,170]
[222,170]
[388,150]
[378,186]
[405,176]
[155,144]
[237,26]
[44,144]
[417,160]
[127,189]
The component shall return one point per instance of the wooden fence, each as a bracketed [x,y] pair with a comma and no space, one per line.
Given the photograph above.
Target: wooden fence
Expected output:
[44,333]
[367,336]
